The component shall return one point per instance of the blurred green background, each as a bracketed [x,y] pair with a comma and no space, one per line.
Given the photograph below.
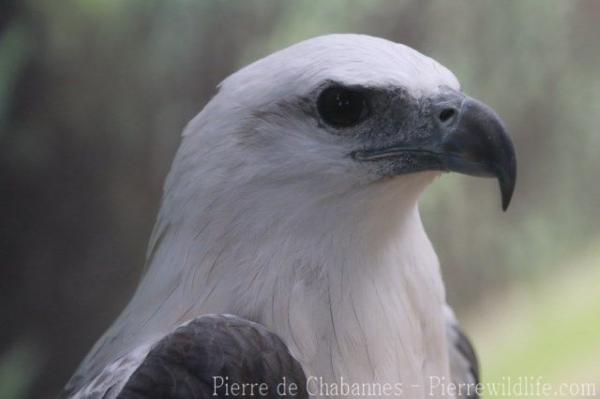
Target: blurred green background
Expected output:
[94,94]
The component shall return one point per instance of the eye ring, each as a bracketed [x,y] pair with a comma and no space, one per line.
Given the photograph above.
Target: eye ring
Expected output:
[342,107]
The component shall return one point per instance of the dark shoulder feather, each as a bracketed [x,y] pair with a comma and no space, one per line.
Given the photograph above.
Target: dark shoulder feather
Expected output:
[190,361]
[465,348]
[464,365]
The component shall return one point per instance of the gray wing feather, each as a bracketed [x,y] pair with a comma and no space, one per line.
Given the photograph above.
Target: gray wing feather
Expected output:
[185,363]
[464,366]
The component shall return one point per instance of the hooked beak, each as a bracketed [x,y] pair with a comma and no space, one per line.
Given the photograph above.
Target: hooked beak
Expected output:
[467,137]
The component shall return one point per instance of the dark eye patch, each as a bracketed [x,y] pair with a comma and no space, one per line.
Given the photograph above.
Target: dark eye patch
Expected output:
[342,107]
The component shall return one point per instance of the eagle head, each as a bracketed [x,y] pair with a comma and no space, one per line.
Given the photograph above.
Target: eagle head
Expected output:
[349,112]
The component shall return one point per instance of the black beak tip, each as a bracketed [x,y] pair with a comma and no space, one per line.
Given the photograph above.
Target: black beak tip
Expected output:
[506,196]
[507,178]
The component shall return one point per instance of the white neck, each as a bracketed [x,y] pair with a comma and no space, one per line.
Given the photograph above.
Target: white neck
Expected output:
[350,281]
[372,317]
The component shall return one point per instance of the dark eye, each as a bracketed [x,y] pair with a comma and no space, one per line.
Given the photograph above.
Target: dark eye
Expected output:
[342,107]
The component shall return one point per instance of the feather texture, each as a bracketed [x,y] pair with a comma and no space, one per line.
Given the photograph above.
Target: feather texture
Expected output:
[264,216]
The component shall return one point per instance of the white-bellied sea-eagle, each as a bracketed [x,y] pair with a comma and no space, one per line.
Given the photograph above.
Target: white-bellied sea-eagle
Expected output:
[289,246]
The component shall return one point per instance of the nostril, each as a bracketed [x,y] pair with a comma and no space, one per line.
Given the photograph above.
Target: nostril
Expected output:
[446,115]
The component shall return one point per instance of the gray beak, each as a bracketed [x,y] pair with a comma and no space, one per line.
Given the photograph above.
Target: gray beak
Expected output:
[475,142]
[466,136]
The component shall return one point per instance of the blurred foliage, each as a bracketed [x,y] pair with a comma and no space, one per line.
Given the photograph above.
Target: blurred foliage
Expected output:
[17,371]
[545,328]
[94,93]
